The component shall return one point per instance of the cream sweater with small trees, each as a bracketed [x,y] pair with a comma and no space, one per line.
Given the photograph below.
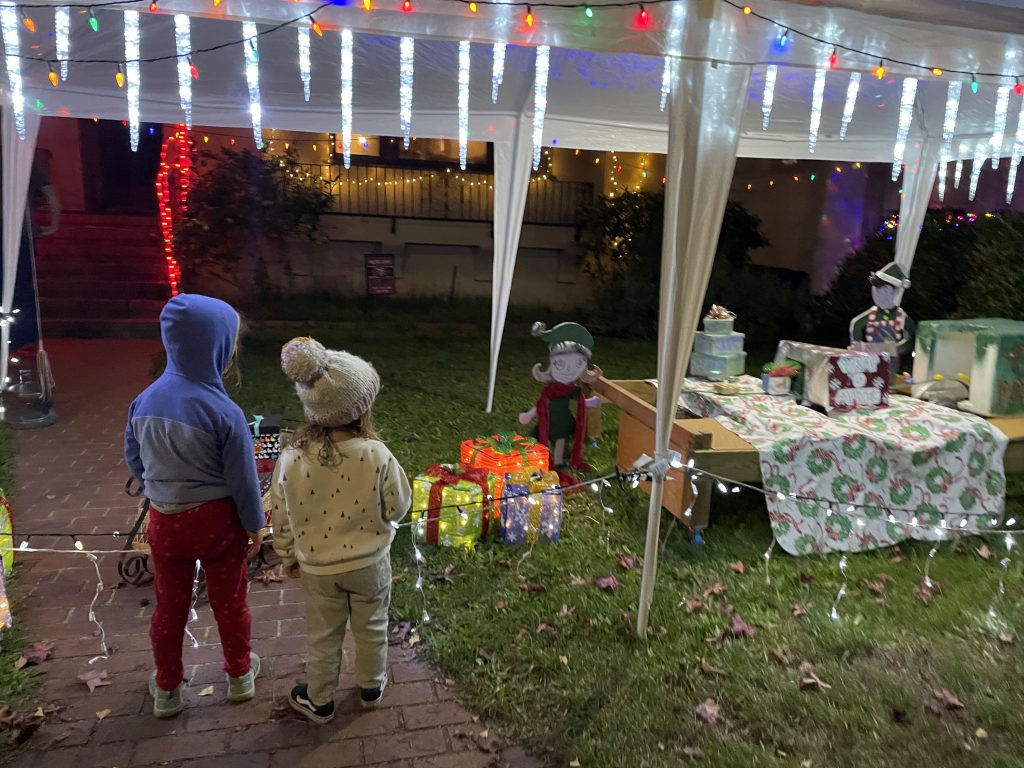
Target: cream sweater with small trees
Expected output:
[337,519]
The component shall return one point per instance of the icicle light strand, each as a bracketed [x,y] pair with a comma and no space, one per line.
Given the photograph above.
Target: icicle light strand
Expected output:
[62,31]
[768,99]
[132,73]
[540,100]
[958,172]
[9,22]
[906,117]
[851,102]
[407,57]
[497,70]
[980,155]
[252,78]
[304,65]
[346,97]
[999,129]
[816,101]
[463,102]
[673,49]
[183,46]
[1015,158]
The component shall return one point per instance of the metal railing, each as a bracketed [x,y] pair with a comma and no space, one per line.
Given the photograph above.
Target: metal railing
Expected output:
[377,190]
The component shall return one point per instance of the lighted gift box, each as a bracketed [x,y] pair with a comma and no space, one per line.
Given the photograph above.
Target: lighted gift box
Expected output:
[5,604]
[531,509]
[6,535]
[501,455]
[451,506]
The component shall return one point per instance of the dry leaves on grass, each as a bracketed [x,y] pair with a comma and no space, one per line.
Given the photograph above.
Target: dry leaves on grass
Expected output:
[799,609]
[946,699]
[36,653]
[984,552]
[897,555]
[738,628]
[692,604]
[715,589]
[608,583]
[809,679]
[694,753]
[805,579]
[566,611]
[20,725]
[447,575]
[781,657]
[102,714]
[499,606]
[412,437]
[1006,638]
[578,582]
[629,561]
[877,588]
[708,711]
[739,566]
[522,633]
[543,627]
[485,655]
[95,678]
[207,691]
[269,577]
[709,669]
[533,589]
[927,589]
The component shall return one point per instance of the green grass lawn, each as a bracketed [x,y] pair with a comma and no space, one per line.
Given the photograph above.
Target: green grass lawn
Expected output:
[535,646]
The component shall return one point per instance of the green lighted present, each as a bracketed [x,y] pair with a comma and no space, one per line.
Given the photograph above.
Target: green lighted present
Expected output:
[451,505]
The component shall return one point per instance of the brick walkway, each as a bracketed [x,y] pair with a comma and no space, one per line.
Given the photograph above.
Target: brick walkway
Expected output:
[70,478]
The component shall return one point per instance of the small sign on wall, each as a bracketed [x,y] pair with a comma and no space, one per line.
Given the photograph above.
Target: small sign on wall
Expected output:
[380,274]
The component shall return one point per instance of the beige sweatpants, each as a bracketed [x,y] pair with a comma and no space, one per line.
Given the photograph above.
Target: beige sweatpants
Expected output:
[360,598]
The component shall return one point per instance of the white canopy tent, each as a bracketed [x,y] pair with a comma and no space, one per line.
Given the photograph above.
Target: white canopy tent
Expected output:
[603,92]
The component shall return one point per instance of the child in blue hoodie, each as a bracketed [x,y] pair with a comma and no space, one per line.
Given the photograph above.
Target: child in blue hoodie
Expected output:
[189,445]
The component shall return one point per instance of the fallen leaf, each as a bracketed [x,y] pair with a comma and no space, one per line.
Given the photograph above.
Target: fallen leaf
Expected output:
[984,552]
[36,653]
[533,589]
[780,656]
[485,733]
[947,699]
[578,582]
[799,609]
[591,623]
[542,628]
[926,590]
[447,575]
[629,562]
[269,577]
[739,566]
[709,669]
[808,678]
[692,604]
[608,583]
[39,712]
[102,714]
[981,733]
[885,577]
[414,639]
[708,711]
[95,678]
[564,660]
[1006,638]
[566,611]
[805,579]
[897,555]
[499,606]
[403,630]
[899,716]
[51,496]
[694,753]
[661,632]
[412,437]
[504,563]
[806,764]
[207,691]
[739,628]
[485,655]
[522,633]
[627,619]
[716,588]
[876,588]
[574,764]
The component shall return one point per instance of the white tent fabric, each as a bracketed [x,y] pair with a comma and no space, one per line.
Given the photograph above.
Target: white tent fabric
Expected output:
[705,113]
[922,162]
[17,169]
[512,163]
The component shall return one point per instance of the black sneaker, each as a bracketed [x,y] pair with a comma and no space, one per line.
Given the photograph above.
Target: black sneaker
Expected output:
[300,702]
[371,696]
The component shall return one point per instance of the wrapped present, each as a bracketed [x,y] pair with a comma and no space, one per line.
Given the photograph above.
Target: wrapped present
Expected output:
[451,506]
[6,535]
[838,379]
[504,454]
[531,509]
[5,604]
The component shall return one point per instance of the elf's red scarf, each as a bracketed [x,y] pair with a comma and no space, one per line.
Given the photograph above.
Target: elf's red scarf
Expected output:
[554,391]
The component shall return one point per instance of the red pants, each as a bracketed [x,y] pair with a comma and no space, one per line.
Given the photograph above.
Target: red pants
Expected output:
[212,534]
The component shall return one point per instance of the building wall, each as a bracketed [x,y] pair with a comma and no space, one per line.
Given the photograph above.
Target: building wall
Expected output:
[59,154]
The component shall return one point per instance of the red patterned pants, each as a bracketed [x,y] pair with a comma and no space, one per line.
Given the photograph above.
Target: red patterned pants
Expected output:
[212,534]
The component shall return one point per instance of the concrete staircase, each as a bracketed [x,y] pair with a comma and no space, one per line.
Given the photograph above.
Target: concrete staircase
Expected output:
[102,276]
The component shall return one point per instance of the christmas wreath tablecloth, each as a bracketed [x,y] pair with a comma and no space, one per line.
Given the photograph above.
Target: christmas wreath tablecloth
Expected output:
[910,460]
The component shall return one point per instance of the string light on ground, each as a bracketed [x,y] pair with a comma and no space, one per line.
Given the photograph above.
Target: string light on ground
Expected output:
[768,99]
[12,51]
[464,51]
[305,70]
[540,100]
[843,565]
[407,53]
[346,97]
[133,73]
[999,129]
[907,99]
[252,79]
[62,32]
[183,46]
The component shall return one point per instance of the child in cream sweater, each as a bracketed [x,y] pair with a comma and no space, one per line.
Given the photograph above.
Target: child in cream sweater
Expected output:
[336,492]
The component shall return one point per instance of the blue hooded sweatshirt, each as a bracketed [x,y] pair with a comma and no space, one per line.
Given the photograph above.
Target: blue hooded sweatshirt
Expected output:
[186,440]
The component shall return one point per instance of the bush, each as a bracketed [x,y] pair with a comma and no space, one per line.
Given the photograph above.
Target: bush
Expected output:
[995,286]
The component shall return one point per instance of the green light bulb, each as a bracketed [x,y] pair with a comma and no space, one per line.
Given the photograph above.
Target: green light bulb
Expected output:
[94,22]
[974,85]
[589,12]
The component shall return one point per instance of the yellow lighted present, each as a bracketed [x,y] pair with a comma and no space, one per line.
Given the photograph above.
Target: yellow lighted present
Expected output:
[447,513]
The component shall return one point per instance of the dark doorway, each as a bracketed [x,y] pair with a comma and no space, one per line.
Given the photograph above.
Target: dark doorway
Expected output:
[117,179]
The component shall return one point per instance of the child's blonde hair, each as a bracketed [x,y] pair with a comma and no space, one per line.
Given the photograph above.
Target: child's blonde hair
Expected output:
[310,436]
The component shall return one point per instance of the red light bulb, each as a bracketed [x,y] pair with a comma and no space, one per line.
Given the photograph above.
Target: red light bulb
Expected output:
[152,6]
[1018,88]
[406,6]
[195,72]
[833,60]
[643,18]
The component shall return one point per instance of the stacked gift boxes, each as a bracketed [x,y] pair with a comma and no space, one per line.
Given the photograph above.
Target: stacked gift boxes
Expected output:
[451,506]
[7,560]
[501,455]
[532,508]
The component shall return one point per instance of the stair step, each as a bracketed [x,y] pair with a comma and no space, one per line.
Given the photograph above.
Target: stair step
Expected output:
[54,287]
[91,328]
[113,273]
[100,309]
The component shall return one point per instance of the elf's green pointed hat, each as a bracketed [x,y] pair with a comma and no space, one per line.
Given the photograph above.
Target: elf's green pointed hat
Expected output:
[891,274]
[566,337]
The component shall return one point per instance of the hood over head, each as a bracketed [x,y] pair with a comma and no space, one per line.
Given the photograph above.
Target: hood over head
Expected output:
[199,334]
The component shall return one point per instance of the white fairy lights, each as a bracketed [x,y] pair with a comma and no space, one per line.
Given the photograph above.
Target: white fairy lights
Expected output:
[305,72]
[252,78]
[132,74]
[851,102]
[62,31]
[346,97]
[980,155]
[183,47]
[816,100]
[1018,153]
[407,55]
[768,99]
[843,565]
[673,49]
[540,100]
[948,128]
[12,51]
[999,129]
[463,102]
[497,70]
[906,117]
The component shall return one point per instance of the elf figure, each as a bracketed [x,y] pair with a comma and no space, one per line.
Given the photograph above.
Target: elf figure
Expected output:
[561,410]
[885,327]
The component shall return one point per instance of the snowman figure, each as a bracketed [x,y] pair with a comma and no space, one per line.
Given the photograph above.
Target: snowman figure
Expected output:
[561,409]
[885,327]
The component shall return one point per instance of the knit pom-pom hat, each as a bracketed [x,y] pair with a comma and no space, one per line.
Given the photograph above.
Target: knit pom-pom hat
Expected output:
[335,388]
